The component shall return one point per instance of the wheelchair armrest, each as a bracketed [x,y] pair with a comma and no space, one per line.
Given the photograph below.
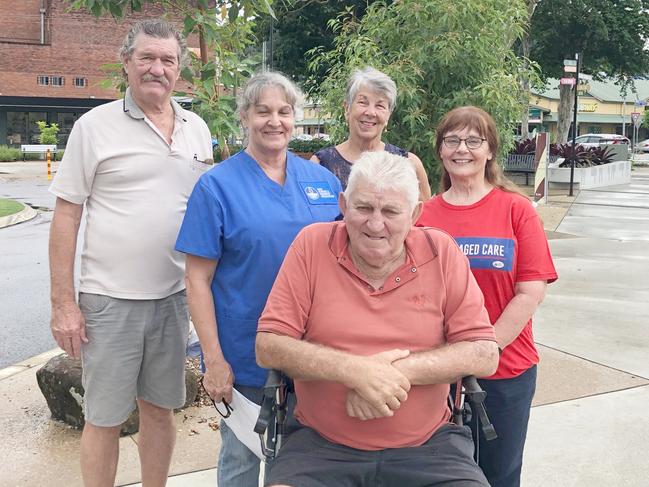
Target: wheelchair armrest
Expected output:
[274,382]
[476,396]
[473,390]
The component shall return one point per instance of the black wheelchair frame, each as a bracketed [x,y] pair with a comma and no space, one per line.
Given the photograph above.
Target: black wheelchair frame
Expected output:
[272,428]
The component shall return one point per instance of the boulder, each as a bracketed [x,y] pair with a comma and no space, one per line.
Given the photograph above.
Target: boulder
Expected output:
[60,382]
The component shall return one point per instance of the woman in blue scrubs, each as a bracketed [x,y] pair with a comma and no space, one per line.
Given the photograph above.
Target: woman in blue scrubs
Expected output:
[241,218]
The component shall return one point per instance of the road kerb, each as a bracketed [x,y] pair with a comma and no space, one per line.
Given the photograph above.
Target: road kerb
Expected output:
[29,363]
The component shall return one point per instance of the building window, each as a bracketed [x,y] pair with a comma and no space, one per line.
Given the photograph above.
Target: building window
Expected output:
[80,82]
[43,80]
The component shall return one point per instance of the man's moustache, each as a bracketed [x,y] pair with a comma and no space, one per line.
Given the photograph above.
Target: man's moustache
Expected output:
[159,79]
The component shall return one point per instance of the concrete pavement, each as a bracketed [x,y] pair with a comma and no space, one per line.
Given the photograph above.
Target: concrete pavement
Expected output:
[588,426]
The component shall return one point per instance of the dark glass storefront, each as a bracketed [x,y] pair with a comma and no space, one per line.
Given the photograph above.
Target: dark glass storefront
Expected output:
[18,117]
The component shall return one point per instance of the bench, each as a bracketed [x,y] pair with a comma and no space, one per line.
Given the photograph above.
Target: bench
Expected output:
[38,149]
[520,163]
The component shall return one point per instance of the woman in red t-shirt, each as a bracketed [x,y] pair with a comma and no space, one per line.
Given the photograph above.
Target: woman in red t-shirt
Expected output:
[499,231]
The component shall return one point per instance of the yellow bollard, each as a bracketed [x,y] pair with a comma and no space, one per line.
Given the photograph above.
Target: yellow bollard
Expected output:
[49,165]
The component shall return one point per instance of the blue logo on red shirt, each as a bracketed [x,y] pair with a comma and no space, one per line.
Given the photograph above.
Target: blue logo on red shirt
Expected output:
[488,253]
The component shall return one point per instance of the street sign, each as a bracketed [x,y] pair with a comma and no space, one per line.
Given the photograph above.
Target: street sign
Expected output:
[635,118]
[567,81]
[570,69]
[640,103]
[570,62]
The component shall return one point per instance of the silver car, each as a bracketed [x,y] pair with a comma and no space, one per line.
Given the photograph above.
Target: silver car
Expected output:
[596,140]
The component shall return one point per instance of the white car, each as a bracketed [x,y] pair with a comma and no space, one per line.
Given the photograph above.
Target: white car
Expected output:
[642,146]
[597,140]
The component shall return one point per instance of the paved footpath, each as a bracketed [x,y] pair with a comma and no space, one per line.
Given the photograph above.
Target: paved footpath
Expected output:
[588,426]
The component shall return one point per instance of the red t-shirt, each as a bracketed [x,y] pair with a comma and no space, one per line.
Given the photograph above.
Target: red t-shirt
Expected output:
[321,297]
[503,238]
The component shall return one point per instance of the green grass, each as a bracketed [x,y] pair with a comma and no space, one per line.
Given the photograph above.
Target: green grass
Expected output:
[9,207]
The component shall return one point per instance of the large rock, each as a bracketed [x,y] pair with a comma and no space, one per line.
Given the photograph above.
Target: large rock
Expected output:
[60,382]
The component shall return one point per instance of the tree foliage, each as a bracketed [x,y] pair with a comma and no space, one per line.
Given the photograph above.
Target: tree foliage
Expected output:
[441,55]
[224,29]
[610,35]
[299,26]
[47,133]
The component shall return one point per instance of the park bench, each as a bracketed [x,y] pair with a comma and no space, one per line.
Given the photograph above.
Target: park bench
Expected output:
[38,149]
[524,164]
[520,163]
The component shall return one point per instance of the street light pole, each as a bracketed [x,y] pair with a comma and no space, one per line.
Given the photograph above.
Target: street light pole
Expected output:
[574,128]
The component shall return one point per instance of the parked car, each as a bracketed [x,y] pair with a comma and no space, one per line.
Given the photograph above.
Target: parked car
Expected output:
[642,146]
[596,140]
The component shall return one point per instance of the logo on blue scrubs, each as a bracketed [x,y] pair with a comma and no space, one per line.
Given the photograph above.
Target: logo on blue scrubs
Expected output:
[488,253]
[318,192]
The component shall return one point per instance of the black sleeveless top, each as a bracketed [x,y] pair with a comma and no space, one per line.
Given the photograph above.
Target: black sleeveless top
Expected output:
[331,159]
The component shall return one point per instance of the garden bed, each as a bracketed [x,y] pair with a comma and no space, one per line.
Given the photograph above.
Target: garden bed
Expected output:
[593,177]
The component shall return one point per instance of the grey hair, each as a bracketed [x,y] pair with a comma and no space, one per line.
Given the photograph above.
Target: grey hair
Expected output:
[160,29]
[376,81]
[383,170]
[252,90]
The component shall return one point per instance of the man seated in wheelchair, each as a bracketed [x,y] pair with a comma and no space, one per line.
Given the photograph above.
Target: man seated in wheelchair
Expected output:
[373,318]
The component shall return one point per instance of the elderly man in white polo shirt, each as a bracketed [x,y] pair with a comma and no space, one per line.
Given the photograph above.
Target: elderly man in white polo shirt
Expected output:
[133,163]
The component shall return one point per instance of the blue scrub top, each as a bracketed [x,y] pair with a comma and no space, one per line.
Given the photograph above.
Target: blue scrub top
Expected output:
[240,217]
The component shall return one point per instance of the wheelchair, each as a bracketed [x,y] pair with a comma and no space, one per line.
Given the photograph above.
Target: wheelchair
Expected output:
[272,426]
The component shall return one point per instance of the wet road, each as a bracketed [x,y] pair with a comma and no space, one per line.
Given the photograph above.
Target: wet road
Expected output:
[24,276]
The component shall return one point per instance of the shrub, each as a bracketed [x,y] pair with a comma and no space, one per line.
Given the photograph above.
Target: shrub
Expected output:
[311,146]
[565,151]
[9,154]
[47,132]
[524,147]
[593,156]
[600,155]
[216,151]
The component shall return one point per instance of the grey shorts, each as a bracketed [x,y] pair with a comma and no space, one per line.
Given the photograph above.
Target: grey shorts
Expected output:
[135,349]
[309,460]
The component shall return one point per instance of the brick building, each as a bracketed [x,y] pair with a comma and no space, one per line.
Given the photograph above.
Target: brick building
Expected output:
[50,65]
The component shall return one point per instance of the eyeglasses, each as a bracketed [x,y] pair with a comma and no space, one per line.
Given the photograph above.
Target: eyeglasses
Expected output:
[223,404]
[454,142]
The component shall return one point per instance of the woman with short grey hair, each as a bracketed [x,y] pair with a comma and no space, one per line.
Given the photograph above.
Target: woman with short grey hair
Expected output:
[253,89]
[369,101]
[241,218]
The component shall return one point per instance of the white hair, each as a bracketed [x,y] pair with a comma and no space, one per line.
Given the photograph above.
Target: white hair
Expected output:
[376,81]
[384,171]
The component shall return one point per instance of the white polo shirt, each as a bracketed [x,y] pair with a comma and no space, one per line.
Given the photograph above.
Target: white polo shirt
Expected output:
[135,188]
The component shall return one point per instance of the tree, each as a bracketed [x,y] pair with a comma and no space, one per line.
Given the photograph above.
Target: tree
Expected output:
[441,55]
[224,29]
[524,76]
[301,25]
[48,133]
[610,36]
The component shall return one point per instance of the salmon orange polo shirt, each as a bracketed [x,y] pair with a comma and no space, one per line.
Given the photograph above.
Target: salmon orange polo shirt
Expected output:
[321,297]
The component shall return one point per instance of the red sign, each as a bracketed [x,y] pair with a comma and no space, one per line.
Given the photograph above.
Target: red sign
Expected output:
[567,81]
[634,116]
[570,69]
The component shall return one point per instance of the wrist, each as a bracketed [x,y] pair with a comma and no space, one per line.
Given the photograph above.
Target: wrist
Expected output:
[214,360]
